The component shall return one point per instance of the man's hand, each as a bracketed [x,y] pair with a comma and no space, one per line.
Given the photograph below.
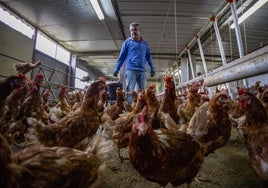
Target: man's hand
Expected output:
[152,73]
[115,73]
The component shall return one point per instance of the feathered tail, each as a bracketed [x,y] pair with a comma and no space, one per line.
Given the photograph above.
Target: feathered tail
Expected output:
[101,144]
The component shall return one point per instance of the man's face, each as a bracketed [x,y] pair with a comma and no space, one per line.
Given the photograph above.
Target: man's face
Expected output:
[134,32]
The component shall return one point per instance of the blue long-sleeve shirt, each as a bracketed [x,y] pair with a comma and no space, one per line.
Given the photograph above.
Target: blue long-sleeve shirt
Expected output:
[135,54]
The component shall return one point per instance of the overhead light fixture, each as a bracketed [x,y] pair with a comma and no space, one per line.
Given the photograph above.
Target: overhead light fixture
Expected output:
[97,9]
[250,11]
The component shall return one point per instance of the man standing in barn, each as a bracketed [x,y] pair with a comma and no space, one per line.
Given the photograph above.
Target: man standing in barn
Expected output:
[135,53]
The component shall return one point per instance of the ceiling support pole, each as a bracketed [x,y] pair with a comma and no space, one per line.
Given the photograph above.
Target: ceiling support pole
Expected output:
[203,59]
[72,70]
[237,29]
[191,63]
[237,33]
[201,53]
[214,20]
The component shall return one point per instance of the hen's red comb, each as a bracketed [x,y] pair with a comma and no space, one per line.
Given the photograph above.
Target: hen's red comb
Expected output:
[62,88]
[168,79]
[39,76]
[22,76]
[196,84]
[140,90]
[241,90]
[151,86]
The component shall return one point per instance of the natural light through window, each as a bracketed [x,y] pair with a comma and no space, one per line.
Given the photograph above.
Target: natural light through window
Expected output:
[45,45]
[63,55]
[79,73]
[16,23]
[51,48]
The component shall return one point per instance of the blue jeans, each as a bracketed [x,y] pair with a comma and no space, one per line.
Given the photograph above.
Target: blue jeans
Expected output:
[135,80]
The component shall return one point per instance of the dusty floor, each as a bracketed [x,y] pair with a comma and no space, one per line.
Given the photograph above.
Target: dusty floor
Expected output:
[228,167]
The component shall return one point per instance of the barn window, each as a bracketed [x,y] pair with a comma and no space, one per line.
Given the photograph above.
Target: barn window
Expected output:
[16,23]
[79,74]
[51,48]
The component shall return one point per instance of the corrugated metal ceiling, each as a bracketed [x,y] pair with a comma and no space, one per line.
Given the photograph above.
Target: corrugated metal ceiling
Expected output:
[168,26]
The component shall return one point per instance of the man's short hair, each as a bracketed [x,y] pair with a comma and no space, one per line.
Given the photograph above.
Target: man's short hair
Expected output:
[134,24]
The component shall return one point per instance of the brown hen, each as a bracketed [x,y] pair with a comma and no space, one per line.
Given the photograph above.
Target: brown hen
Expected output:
[168,105]
[129,107]
[123,124]
[12,110]
[264,99]
[25,67]
[255,132]
[75,126]
[153,105]
[51,167]
[210,124]
[112,112]
[103,102]
[193,101]
[62,108]
[14,103]
[32,105]
[163,155]
[7,85]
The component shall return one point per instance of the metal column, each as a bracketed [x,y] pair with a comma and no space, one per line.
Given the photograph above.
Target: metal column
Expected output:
[237,29]
[191,63]
[178,69]
[184,70]
[201,53]
[72,70]
[237,33]
[214,20]
[203,59]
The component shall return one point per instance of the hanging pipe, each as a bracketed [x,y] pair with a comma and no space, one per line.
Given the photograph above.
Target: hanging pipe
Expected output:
[191,63]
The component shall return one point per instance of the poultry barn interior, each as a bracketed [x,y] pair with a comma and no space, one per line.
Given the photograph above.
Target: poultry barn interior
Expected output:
[58,94]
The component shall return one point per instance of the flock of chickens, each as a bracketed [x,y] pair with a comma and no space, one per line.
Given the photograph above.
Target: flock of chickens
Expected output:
[66,144]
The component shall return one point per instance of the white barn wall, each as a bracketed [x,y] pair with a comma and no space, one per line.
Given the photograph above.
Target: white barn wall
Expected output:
[15,45]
